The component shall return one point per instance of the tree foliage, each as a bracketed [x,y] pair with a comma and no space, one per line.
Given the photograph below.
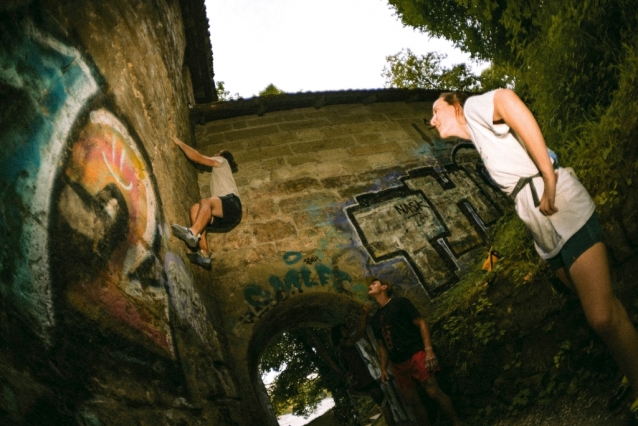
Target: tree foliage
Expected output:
[305,375]
[224,95]
[271,89]
[405,70]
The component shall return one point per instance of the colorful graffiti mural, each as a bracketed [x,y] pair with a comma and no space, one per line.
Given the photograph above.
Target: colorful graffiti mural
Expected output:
[45,84]
[431,220]
[80,210]
[108,215]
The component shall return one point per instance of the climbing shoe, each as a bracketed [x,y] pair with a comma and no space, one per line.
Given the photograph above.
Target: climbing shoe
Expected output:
[620,395]
[200,259]
[185,234]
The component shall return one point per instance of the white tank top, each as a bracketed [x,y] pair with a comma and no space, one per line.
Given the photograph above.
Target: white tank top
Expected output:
[507,160]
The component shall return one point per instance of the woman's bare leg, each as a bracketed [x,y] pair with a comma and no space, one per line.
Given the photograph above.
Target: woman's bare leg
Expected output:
[608,317]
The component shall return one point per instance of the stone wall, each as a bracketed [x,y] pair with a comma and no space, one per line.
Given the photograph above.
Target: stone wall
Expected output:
[331,196]
[102,321]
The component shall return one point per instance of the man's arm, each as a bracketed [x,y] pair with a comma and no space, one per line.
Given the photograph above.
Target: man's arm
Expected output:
[383,360]
[430,358]
[194,155]
[361,329]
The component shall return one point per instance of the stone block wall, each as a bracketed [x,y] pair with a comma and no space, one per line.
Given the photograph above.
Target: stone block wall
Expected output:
[332,196]
[102,322]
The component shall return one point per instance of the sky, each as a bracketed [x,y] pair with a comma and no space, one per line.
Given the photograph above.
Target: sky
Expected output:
[311,45]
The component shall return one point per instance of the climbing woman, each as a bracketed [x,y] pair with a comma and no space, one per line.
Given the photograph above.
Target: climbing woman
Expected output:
[562,221]
[219,213]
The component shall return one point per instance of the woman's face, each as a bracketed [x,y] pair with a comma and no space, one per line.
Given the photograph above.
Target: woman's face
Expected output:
[445,119]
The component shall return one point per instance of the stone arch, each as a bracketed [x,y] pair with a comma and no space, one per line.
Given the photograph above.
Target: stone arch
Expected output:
[309,310]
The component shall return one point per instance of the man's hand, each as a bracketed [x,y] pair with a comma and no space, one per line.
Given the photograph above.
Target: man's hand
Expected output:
[430,359]
[177,141]
[366,308]
[384,376]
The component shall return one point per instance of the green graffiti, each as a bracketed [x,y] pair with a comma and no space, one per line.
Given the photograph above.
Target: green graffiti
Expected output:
[292,257]
[306,277]
[339,277]
[323,272]
[256,296]
[260,300]
[292,279]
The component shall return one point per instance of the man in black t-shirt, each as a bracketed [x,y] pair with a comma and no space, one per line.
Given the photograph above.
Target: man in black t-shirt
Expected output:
[403,338]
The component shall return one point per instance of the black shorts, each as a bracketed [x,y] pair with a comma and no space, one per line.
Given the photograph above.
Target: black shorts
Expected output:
[231,208]
[579,243]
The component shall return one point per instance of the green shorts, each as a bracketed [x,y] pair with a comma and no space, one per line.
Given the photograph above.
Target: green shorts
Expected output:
[579,243]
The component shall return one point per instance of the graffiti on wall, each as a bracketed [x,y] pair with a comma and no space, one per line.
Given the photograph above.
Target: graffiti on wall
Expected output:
[81,212]
[302,274]
[106,212]
[45,84]
[435,217]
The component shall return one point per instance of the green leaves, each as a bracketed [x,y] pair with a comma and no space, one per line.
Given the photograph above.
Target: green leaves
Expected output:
[304,377]
[271,89]
[405,70]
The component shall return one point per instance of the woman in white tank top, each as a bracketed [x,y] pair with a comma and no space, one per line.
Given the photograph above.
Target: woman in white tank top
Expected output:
[513,149]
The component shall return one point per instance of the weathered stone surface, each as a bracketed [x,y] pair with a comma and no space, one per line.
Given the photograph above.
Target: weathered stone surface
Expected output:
[302,125]
[373,149]
[297,160]
[272,231]
[273,164]
[262,153]
[321,145]
[369,138]
[251,133]
[260,210]
[240,237]
[304,201]
[338,181]
[211,128]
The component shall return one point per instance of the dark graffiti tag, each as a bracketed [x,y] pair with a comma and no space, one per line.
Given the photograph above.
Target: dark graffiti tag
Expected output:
[310,260]
[260,300]
[438,215]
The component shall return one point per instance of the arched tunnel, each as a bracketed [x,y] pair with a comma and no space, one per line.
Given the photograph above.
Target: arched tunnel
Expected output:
[313,310]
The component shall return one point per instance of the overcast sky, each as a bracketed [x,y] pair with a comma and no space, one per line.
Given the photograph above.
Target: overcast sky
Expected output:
[310,45]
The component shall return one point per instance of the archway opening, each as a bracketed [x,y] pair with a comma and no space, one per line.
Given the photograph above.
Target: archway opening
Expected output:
[298,334]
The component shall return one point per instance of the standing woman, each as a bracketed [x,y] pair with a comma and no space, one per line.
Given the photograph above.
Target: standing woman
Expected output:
[562,221]
[220,213]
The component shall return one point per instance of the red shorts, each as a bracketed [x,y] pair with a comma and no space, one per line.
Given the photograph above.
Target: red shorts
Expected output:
[408,373]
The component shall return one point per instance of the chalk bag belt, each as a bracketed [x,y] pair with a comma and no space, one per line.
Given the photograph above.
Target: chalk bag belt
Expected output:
[521,184]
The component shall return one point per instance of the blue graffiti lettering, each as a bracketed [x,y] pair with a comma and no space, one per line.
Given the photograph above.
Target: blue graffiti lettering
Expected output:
[292,279]
[256,296]
[323,272]
[305,276]
[339,278]
[292,257]
[278,285]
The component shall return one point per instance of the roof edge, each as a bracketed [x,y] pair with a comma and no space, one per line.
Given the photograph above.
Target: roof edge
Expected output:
[203,113]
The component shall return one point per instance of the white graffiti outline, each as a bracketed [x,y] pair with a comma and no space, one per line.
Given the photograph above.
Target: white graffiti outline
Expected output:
[122,157]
